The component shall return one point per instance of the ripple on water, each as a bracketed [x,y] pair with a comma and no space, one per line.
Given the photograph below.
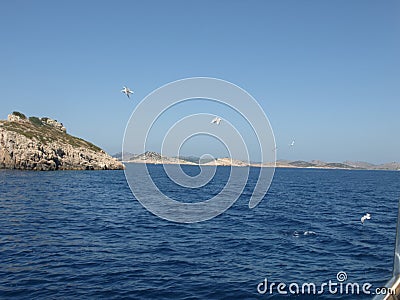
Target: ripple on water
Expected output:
[82,234]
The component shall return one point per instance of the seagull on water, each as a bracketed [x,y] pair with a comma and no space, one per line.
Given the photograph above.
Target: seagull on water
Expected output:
[126,91]
[367,216]
[216,120]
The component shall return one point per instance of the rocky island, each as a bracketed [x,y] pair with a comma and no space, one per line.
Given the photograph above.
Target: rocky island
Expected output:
[150,157]
[43,144]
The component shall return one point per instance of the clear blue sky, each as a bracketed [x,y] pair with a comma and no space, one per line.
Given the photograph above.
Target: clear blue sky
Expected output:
[327,73]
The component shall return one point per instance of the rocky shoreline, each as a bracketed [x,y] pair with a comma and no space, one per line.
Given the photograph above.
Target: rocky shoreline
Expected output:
[44,145]
[150,157]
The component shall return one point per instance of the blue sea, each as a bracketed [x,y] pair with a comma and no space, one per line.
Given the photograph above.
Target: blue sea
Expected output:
[82,235]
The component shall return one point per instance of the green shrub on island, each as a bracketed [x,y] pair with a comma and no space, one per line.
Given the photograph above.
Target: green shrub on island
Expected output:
[18,114]
[35,121]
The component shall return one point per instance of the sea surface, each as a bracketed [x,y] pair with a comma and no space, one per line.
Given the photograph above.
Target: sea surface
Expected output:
[82,235]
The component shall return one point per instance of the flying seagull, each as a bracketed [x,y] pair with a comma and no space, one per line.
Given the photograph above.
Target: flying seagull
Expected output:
[367,216]
[126,91]
[216,120]
[292,143]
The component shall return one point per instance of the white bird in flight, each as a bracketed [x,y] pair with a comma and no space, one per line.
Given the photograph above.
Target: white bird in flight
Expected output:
[292,143]
[367,216]
[126,91]
[216,120]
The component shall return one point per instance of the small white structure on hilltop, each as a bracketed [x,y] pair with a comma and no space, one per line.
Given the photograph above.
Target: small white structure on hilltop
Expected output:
[55,124]
[15,118]
[19,117]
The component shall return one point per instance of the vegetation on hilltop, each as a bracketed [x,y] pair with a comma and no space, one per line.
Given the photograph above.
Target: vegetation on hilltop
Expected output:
[38,129]
[19,114]
[36,121]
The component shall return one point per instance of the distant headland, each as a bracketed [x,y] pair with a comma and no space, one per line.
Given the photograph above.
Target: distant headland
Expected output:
[43,144]
[150,157]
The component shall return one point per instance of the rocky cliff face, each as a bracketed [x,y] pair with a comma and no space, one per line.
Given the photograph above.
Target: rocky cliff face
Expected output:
[43,144]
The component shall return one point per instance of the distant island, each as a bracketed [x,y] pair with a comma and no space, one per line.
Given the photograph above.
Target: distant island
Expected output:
[150,157]
[43,144]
